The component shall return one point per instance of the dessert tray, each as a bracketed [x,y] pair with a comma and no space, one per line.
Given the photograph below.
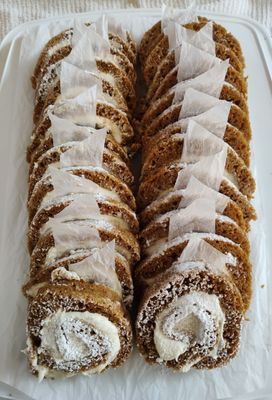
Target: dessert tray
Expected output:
[247,376]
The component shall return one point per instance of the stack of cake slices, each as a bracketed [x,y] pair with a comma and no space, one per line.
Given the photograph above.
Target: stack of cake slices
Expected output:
[82,221]
[194,280]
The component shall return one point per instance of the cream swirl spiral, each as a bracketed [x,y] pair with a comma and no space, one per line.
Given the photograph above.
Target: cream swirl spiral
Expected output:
[195,320]
[72,340]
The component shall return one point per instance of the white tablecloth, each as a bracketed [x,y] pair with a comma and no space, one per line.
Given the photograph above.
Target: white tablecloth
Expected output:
[15,12]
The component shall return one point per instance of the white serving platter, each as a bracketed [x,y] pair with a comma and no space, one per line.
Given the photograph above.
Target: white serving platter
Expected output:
[246,377]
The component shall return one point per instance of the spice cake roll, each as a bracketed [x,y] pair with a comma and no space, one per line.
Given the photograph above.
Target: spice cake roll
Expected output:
[156,42]
[47,95]
[98,115]
[89,152]
[160,257]
[62,131]
[198,220]
[116,69]
[96,182]
[87,253]
[194,281]
[83,228]
[190,147]
[182,197]
[189,60]
[211,113]
[111,44]
[200,215]
[60,46]
[166,109]
[168,67]
[76,327]
[191,316]
[210,170]
[84,209]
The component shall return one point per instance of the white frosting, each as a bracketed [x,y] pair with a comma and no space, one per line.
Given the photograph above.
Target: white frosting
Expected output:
[231,178]
[58,46]
[72,337]
[195,319]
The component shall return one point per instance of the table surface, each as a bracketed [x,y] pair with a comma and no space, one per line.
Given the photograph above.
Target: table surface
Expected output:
[15,12]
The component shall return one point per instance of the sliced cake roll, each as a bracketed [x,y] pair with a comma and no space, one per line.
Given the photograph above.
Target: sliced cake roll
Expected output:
[169,151]
[163,113]
[158,230]
[190,319]
[152,50]
[161,256]
[91,330]
[49,90]
[180,198]
[194,281]
[97,182]
[168,68]
[115,67]
[53,157]
[107,216]
[72,267]
[82,234]
[62,131]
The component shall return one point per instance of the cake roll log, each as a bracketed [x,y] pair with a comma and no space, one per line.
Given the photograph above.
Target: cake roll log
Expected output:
[186,301]
[154,46]
[190,319]
[82,225]
[76,327]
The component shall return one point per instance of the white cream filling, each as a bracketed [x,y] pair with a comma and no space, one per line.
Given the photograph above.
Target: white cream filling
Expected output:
[66,41]
[71,337]
[84,118]
[193,319]
[231,178]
